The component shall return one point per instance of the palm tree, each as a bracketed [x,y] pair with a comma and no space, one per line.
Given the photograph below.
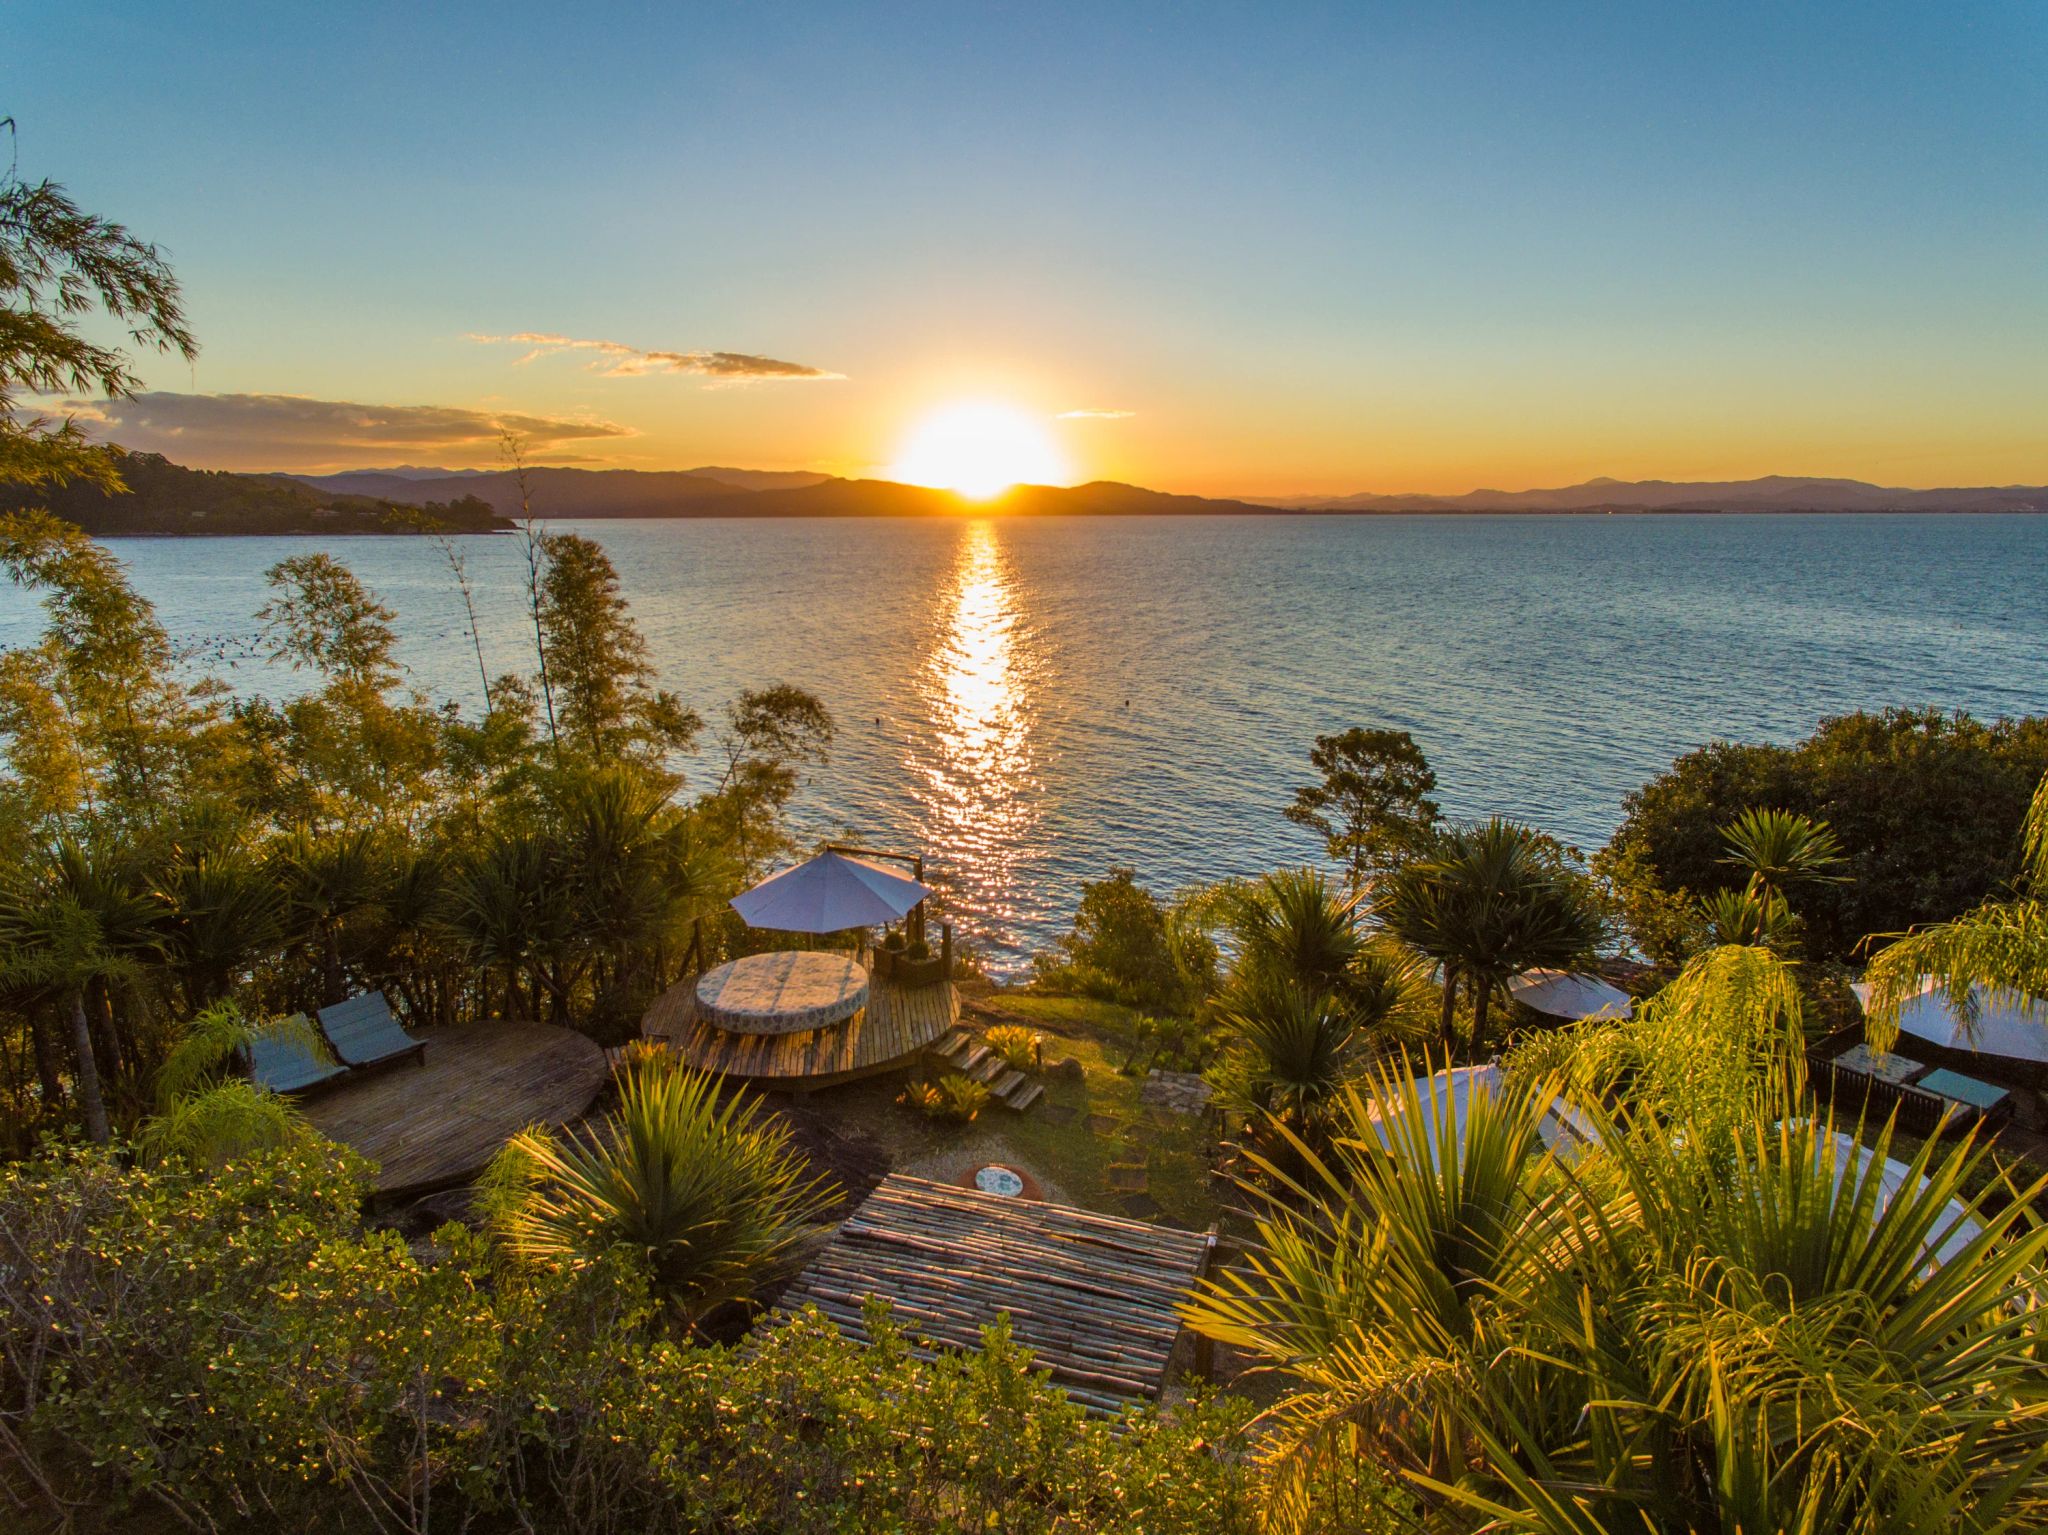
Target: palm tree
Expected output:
[712,1197]
[328,880]
[1781,850]
[2000,946]
[72,925]
[1292,1052]
[1489,903]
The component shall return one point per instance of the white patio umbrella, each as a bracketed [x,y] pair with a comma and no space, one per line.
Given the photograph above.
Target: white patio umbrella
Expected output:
[1564,1130]
[2006,1024]
[829,894]
[1559,995]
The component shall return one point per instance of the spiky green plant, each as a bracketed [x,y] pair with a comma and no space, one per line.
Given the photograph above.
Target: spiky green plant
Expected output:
[1019,1047]
[711,1194]
[206,1116]
[1675,1332]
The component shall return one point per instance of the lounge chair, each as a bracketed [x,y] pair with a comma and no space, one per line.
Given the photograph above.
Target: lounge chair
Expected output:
[284,1062]
[364,1033]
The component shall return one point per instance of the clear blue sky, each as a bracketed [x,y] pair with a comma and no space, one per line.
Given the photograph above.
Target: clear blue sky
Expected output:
[1357,247]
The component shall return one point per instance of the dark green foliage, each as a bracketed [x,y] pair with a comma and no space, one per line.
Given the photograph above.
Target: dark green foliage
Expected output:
[59,264]
[235,1351]
[1926,807]
[1372,808]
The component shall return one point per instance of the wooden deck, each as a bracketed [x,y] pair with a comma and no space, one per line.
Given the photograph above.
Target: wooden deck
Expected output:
[433,1126]
[1093,1297]
[896,1024]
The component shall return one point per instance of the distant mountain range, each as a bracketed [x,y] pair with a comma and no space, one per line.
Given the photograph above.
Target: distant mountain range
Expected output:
[718,492]
[1772,493]
[166,498]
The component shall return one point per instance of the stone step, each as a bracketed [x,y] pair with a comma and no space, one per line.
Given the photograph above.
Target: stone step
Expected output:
[1025,1097]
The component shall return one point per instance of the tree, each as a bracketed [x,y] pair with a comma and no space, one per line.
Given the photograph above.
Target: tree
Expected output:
[1925,807]
[59,264]
[1781,851]
[1492,901]
[1119,947]
[599,680]
[1372,808]
[98,691]
[73,924]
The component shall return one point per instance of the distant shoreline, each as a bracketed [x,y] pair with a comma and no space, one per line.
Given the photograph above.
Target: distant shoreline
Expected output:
[1521,513]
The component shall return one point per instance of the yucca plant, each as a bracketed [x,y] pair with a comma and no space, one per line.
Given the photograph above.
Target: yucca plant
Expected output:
[1760,1328]
[713,1196]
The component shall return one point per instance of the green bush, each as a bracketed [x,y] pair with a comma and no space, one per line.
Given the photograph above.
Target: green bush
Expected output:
[234,1351]
[1927,808]
[1020,1048]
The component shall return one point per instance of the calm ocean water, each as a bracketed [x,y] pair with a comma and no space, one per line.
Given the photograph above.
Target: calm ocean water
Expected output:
[1030,702]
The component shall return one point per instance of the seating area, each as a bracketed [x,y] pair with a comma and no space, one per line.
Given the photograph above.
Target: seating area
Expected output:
[1926,1098]
[359,1034]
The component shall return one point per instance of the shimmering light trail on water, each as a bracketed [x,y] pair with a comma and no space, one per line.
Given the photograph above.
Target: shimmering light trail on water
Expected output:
[974,773]
[1031,701]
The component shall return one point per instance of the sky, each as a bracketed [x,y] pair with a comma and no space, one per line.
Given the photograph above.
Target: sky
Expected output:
[1236,249]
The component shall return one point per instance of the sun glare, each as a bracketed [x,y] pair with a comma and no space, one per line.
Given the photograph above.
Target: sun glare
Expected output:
[979,450]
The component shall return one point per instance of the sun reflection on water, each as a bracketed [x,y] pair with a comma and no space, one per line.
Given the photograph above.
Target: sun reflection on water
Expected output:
[976,776]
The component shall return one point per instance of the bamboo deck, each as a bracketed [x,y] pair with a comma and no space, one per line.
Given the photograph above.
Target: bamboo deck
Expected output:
[434,1125]
[1093,1297]
[895,1025]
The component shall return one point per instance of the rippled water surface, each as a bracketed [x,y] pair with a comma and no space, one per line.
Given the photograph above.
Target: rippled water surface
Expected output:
[1032,701]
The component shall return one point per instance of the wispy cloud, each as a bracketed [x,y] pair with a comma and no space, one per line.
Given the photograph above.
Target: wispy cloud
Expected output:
[1095,415]
[614,359]
[292,431]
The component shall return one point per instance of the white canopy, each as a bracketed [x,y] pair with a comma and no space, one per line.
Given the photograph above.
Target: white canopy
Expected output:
[1569,996]
[829,894]
[2006,1023]
[1959,1228]
[1564,1130]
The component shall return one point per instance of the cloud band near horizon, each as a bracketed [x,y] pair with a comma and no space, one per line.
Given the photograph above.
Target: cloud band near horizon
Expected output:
[615,359]
[296,431]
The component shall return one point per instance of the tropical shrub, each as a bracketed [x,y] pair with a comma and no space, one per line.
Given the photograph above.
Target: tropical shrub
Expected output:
[1020,1048]
[1119,948]
[951,1099]
[710,1195]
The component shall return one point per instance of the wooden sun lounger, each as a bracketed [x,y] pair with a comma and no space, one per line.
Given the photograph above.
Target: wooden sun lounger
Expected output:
[284,1064]
[364,1033]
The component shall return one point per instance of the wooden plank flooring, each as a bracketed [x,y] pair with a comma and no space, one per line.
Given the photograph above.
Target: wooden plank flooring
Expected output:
[435,1125]
[893,1027]
[1094,1297]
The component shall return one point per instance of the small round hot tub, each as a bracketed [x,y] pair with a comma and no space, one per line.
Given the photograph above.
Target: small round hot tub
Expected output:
[1002,1180]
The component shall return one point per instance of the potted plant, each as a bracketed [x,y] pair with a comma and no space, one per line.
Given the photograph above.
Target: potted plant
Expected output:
[918,966]
[888,954]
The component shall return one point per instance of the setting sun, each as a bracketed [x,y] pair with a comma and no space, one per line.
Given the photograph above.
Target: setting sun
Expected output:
[980,450]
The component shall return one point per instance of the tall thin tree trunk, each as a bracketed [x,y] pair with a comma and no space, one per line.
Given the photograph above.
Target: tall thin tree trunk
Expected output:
[49,1075]
[91,1105]
[1482,994]
[1447,1020]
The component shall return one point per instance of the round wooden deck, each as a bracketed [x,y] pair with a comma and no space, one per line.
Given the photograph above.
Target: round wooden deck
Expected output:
[896,1024]
[437,1124]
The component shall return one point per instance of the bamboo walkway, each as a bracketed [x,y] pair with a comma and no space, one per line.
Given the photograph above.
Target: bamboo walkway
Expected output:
[895,1025]
[1093,1297]
[434,1125]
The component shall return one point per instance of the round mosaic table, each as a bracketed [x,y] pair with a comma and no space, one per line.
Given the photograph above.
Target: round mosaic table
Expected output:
[784,993]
